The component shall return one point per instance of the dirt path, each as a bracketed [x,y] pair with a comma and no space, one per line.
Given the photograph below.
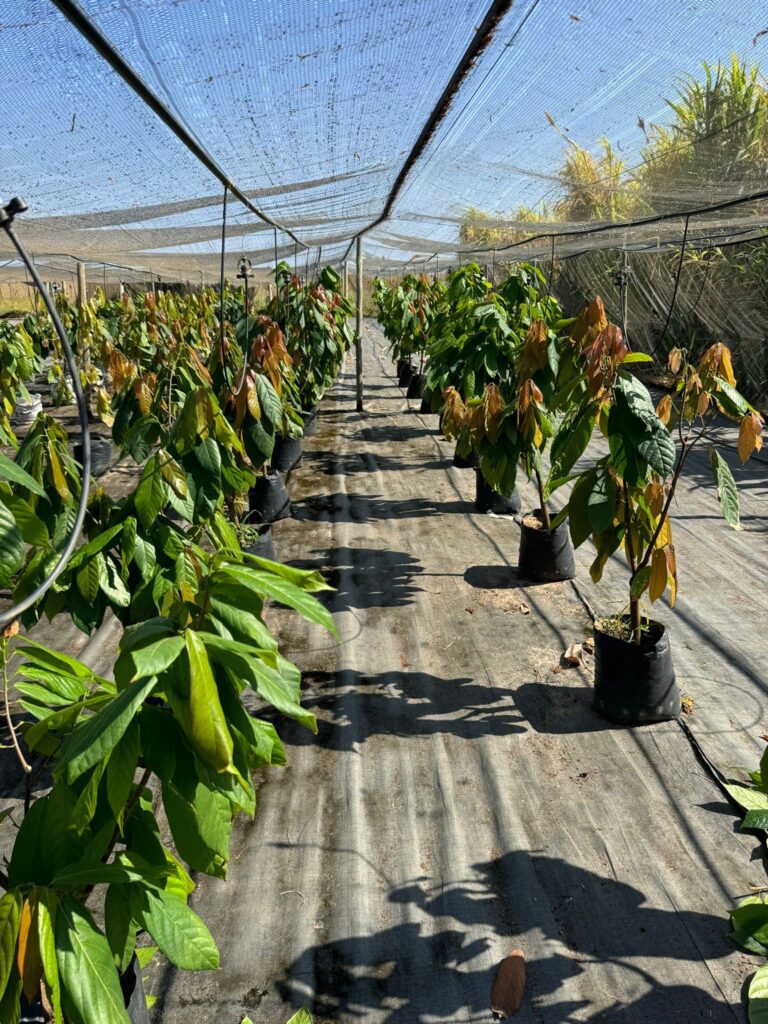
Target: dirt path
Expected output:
[461,798]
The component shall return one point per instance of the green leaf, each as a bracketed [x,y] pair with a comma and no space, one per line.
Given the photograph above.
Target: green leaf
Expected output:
[268,584]
[637,357]
[11,546]
[578,508]
[634,418]
[758,996]
[639,583]
[96,544]
[756,819]
[177,930]
[47,903]
[302,1017]
[90,987]
[10,918]
[729,398]
[156,657]
[601,504]
[121,769]
[172,473]
[269,400]
[570,443]
[33,530]
[16,475]
[208,457]
[726,488]
[207,727]
[119,926]
[150,495]
[749,799]
[87,578]
[94,739]
[111,584]
[309,580]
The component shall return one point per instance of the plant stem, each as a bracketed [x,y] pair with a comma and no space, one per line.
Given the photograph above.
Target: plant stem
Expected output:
[544,510]
[634,602]
[11,728]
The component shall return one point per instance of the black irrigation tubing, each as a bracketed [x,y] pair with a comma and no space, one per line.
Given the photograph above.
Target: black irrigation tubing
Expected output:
[221,275]
[11,614]
[678,272]
[77,17]
[484,33]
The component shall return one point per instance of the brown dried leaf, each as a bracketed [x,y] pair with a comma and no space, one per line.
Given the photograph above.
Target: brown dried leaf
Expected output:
[664,409]
[11,629]
[589,323]
[493,412]
[574,655]
[675,360]
[508,985]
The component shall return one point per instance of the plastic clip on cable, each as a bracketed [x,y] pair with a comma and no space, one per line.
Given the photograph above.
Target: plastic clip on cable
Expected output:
[7,216]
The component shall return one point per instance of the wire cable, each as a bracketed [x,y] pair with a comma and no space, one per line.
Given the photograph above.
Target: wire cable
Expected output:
[10,615]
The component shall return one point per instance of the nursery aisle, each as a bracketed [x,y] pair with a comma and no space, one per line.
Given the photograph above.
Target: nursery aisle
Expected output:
[460,799]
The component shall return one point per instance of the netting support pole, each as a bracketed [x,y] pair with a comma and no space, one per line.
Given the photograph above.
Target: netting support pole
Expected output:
[359,325]
[345,278]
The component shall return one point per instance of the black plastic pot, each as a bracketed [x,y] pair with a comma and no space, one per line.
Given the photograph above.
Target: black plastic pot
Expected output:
[404,377]
[268,500]
[415,386]
[546,556]
[425,408]
[264,547]
[488,500]
[635,683]
[286,453]
[134,994]
[470,462]
[101,454]
[401,365]
[310,417]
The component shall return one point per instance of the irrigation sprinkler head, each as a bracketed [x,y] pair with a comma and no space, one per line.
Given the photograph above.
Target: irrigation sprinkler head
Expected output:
[9,211]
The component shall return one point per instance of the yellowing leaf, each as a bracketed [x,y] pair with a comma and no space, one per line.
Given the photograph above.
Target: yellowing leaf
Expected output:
[252,399]
[665,534]
[493,412]
[589,323]
[669,554]
[28,959]
[658,583]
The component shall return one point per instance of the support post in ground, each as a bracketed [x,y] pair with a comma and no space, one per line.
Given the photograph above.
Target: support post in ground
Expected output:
[345,278]
[359,326]
[82,296]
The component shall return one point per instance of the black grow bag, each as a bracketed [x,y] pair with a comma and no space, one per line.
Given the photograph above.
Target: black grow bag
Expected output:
[268,499]
[310,417]
[635,683]
[264,547]
[488,500]
[401,365]
[546,556]
[286,453]
[101,454]
[404,377]
[426,407]
[415,386]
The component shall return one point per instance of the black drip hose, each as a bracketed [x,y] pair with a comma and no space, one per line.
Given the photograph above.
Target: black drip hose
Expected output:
[10,615]
[674,290]
[221,276]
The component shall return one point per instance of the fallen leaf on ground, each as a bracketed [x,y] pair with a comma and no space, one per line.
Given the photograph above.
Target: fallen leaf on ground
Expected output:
[574,655]
[508,985]
[686,703]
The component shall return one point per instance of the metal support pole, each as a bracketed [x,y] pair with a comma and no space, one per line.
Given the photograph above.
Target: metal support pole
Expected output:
[82,296]
[359,326]
[345,278]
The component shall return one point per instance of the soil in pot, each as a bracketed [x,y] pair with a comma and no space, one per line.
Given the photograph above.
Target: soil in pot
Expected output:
[101,454]
[404,377]
[268,499]
[634,683]
[286,453]
[546,556]
[415,386]
[310,417]
[488,500]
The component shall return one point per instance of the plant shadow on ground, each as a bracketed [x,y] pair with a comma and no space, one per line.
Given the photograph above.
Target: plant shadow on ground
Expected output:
[406,704]
[363,508]
[331,463]
[388,433]
[412,973]
[364,577]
